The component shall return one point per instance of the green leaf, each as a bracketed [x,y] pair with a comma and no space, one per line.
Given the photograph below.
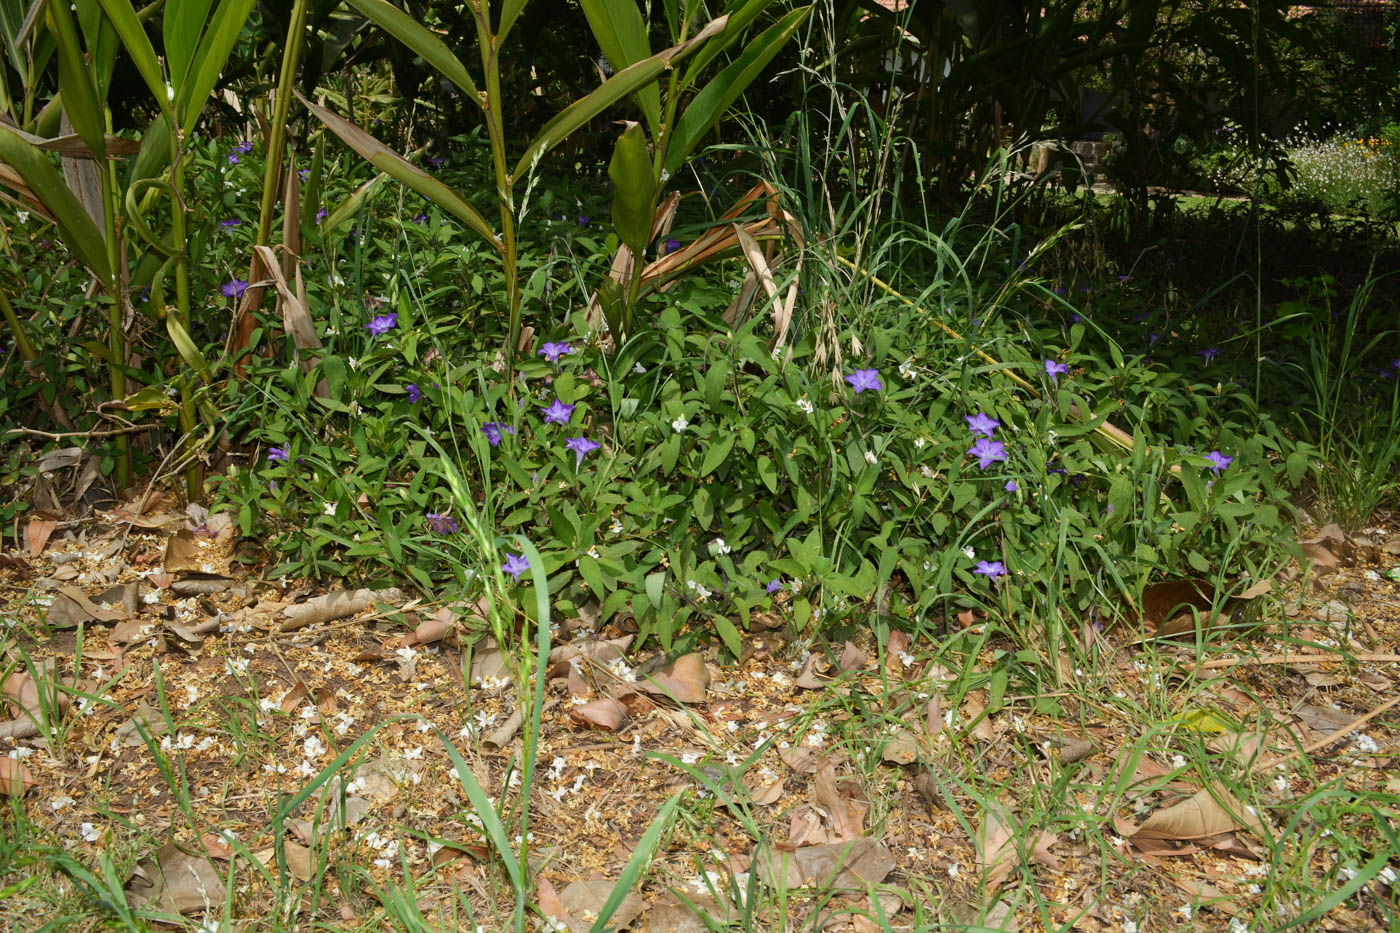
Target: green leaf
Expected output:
[634,189]
[210,58]
[75,227]
[427,46]
[588,569]
[510,11]
[188,351]
[75,82]
[138,46]
[739,20]
[622,35]
[717,454]
[621,84]
[767,472]
[708,106]
[181,25]
[729,635]
[391,163]
[655,585]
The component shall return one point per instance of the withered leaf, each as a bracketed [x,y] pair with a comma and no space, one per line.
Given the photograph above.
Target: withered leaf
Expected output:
[996,845]
[685,679]
[175,880]
[1210,812]
[586,899]
[604,712]
[15,778]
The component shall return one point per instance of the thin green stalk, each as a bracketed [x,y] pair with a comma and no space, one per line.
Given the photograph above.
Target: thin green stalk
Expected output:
[194,471]
[26,349]
[116,336]
[495,129]
[276,142]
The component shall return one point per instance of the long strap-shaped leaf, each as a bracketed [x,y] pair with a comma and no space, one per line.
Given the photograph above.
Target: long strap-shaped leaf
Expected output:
[138,46]
[611,91]
[720,93]
[433,50]
[621,33]
[210,58]
[79,95]
[391,163]
[74,225]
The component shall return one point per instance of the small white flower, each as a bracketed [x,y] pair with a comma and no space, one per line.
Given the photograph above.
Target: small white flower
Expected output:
[61,801]
[919,443]
[1364,743]
[906,369]
[639,369]
[680,424]
[689,758]
[90,833]
[804,406]
[1178,761]
[593,553]
[870,457]
[1130,926]
[1185,911]
[969,553]
[313,747]
[953,870]
[169,92]
[615,527]
[1238,926]
[719,547]
[23,216]
[1387,876]
[926,471]
[328,508]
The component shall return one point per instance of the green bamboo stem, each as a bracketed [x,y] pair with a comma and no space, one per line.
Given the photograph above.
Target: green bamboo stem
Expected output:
[277,139]
[116,335]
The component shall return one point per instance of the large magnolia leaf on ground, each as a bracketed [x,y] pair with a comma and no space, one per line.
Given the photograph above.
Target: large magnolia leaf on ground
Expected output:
[175,881]
[853,864]
[685,679]
[1209,812]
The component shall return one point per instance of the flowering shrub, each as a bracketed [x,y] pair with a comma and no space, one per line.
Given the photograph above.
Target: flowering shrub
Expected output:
[694,480]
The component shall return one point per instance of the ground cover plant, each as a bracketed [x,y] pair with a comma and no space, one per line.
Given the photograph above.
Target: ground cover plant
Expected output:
[726,537]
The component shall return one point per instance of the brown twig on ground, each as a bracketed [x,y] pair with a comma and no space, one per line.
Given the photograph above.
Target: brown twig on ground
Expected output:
[1330,737]
[1310,658]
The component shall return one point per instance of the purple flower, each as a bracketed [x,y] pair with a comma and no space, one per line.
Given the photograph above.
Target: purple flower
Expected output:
[992,569]
[1208,354]
[515,565]
[863,379]
[774,585]
[442,524]
[437,161]
[670,246]
[584,220]
[981,424]
[557,412]
[235,288]
[413,393]
[1218,461]
[1010,485]
[988,452]
[232,159]
[243,147]
[277,454]
[231,222]
[381,324]
[552,351]
[1054,370]
[322,214]
[581,446]
[420,218]
[303,173]
[495,430]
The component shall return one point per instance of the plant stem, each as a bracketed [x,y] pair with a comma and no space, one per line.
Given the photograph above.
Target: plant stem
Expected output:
[116,335]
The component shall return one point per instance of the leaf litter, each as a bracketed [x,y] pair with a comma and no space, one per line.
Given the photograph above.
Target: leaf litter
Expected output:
[264,684]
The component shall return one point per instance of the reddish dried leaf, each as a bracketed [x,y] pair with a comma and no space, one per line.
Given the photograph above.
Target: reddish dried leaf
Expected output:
[604,713]
[852,658]
[807,679]
[37,534]
[996,846]
[846,814]
[15,778]
[685,679]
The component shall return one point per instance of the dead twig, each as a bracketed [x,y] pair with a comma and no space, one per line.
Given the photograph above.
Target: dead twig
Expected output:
[1330,737]
[1311,658]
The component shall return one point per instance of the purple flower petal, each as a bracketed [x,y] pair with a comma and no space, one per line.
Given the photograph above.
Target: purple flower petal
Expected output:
[863,379]
[581,446]
[992,569]
[557,412]
[234,289]
[515,565]
[277,454]
[982,424]
[442,523]
[495,430]
[987,452]
[413,393]
[1054,370]
[552,351]
[1218,461]
[381,324]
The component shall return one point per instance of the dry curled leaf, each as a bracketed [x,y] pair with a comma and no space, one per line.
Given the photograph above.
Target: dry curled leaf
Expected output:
[996,845]
[15,778]
[604,713]
[174,880]
[685,679]
[1209,812]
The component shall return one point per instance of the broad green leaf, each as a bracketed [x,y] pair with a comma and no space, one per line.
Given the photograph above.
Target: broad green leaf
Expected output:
[716,97]
[209,60]
[611,91]
[349,207]
[634,189]
[75,82]
[391,163]
[185,344]
[718,453]
[154,156]
[75,227]
[510,11]
[622,35]
[739,20]
[429,47]
[138,46]
[182,22]
[655,586]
